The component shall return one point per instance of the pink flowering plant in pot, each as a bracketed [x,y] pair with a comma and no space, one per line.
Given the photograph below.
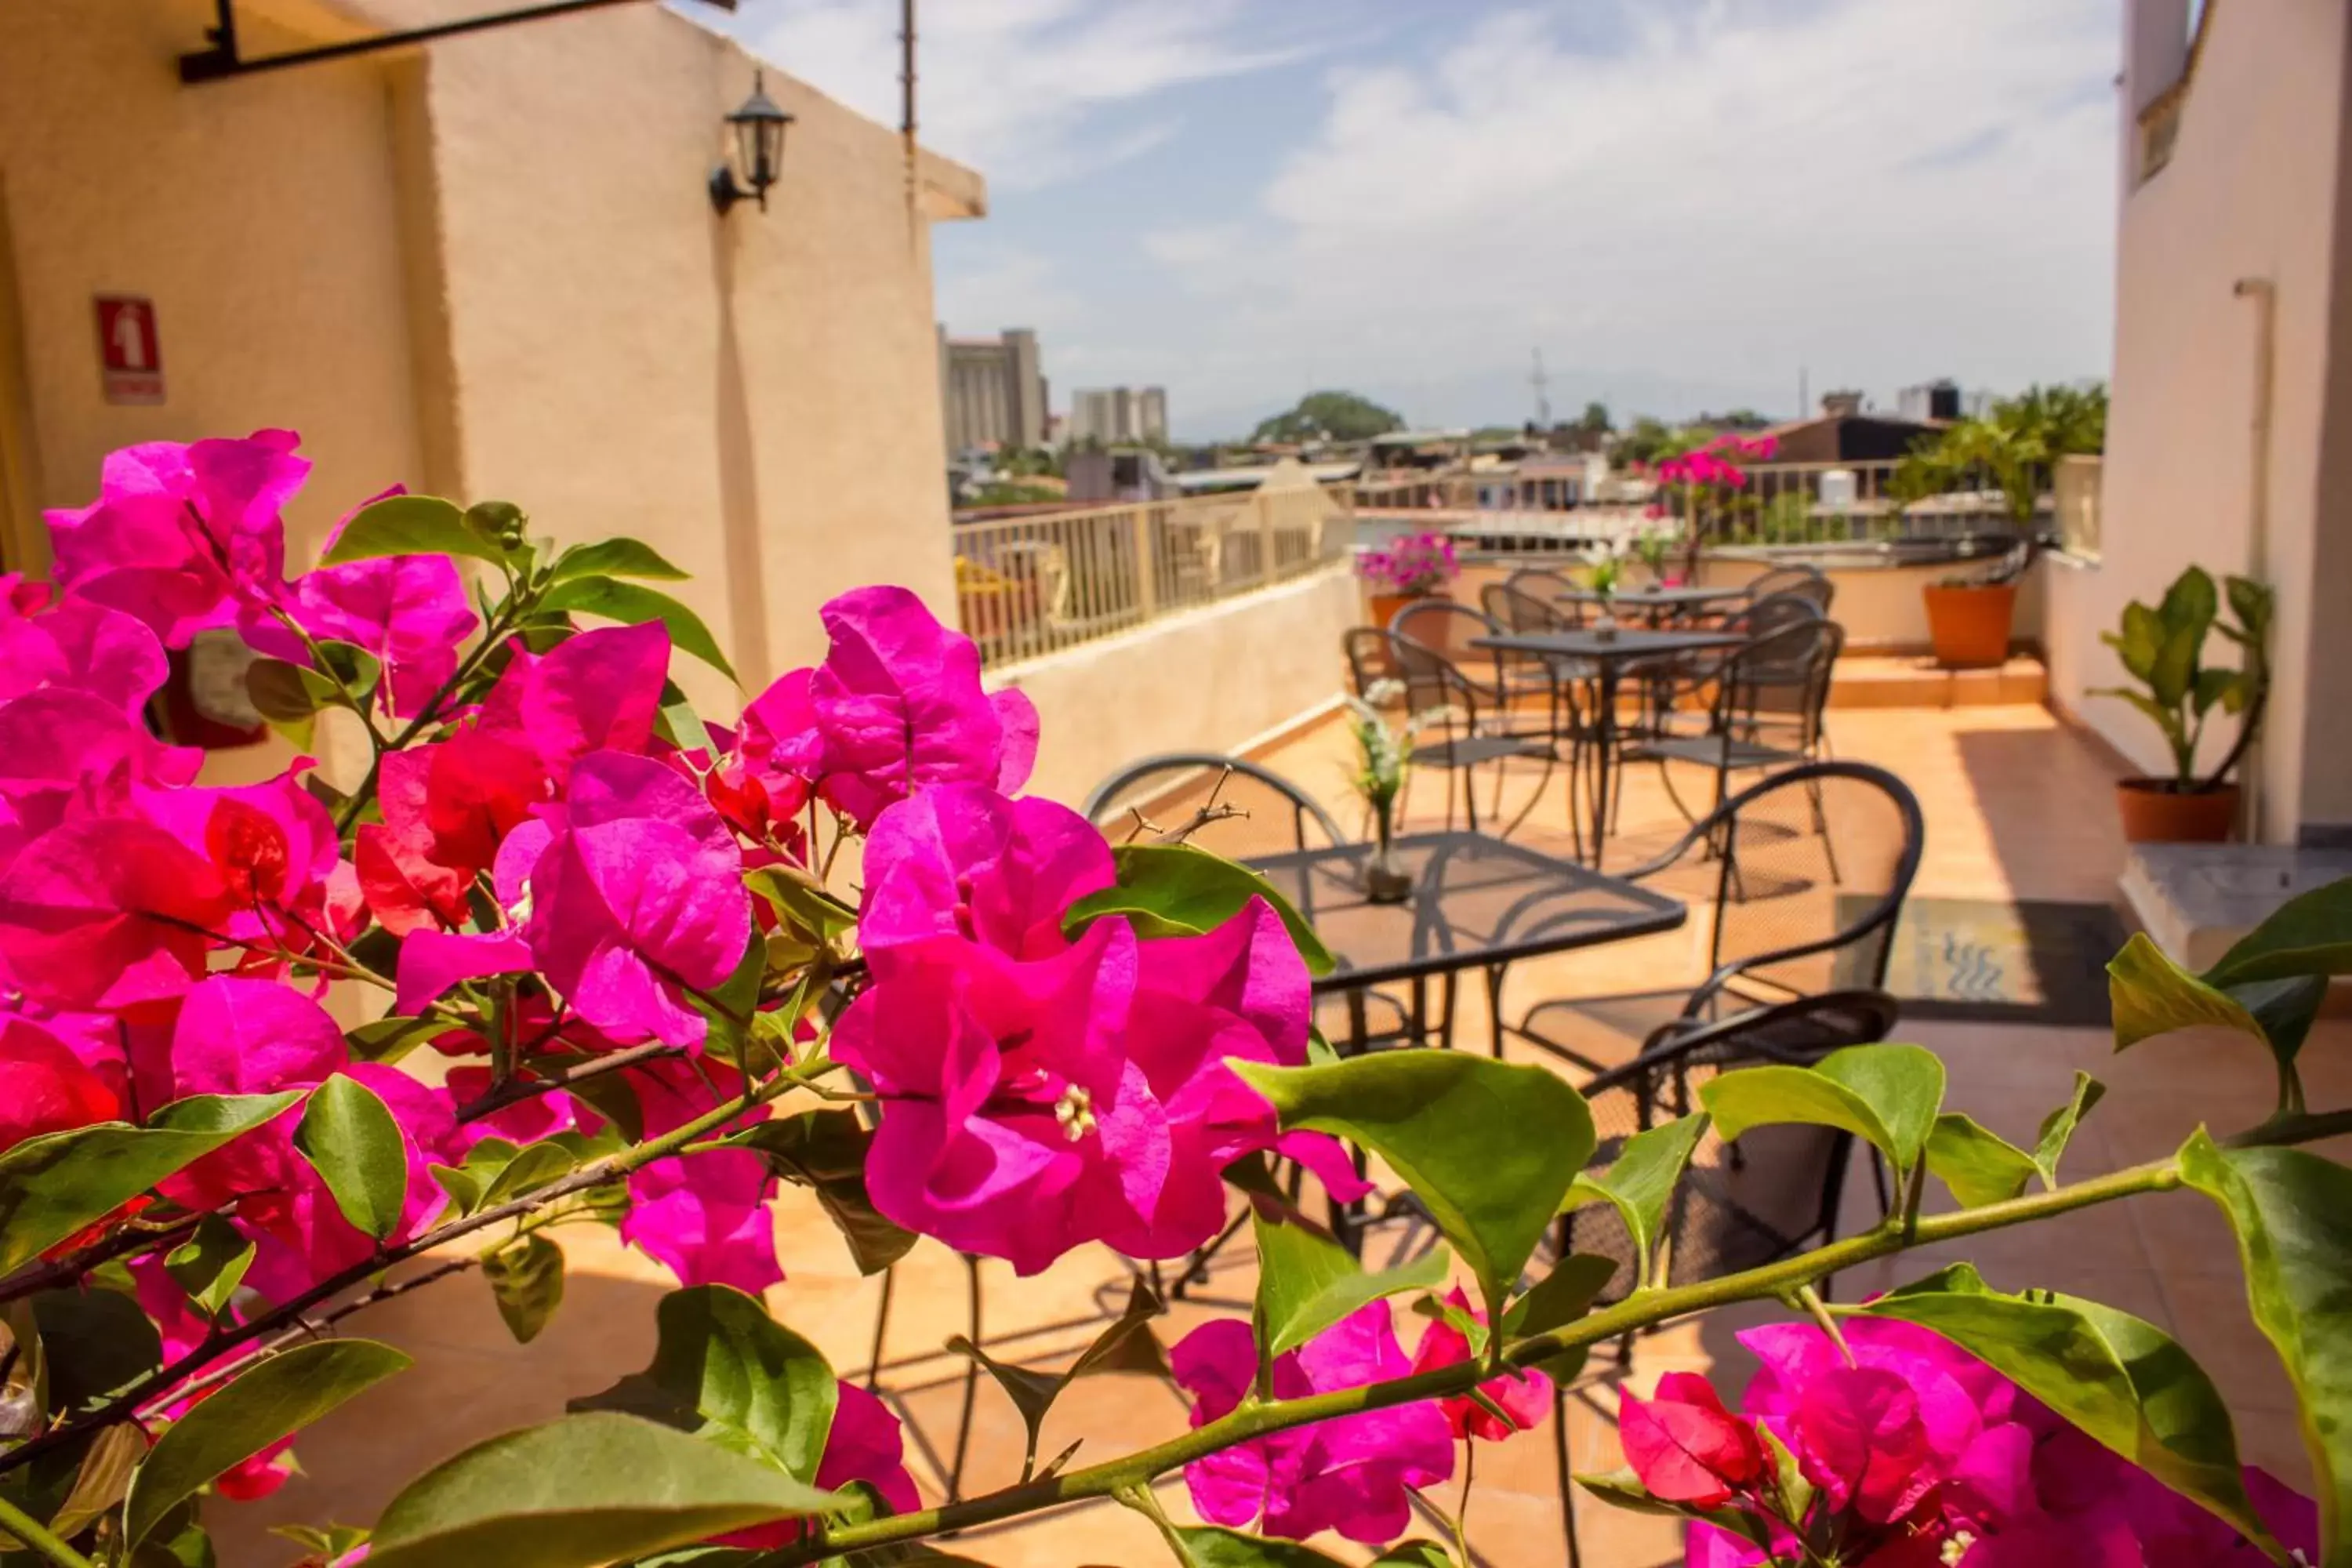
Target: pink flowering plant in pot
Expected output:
[1707,488]
[624,966]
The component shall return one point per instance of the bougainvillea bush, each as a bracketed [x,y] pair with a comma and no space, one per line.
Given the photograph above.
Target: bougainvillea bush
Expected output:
[555,951]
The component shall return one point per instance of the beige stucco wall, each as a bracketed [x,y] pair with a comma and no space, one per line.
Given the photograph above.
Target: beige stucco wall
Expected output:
[1206,680]
[490,268]
[2252,191]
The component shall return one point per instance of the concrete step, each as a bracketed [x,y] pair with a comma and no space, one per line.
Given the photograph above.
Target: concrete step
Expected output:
[1883,680]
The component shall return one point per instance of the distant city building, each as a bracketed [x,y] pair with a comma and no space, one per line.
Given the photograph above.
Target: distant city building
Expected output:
[993,390]
[1113,414]
[1937,399]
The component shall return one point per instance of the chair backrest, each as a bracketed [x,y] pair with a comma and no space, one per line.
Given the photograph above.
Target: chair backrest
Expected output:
[1546,586]
[1772,613]
[1809,869]
[1782,580]
[1434,683]
[1743,1203]
[1169,791]
[1520,611]
[1445,626]
[1371,657]
[1784,674]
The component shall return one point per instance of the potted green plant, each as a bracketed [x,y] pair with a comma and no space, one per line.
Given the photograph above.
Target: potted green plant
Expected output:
[2010,448]
[1604,574]
[1383,760]
[2163,649]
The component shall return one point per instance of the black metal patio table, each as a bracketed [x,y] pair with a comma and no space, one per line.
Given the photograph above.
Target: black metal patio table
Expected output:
[1607,650]
[1479,902]
[1658,602]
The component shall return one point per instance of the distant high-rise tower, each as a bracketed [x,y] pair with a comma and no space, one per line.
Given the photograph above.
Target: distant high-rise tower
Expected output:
[1111,414]
[992,390]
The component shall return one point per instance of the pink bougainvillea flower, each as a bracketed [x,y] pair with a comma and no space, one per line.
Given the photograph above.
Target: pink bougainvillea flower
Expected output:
[1238,993]
[408,611]
[1524,1396]
[597,691]
[864,1444]
[431,962]
[83,647]
[65,752]
[704,1216]
[274,848]
[898,703]
[525,1120]
[962,861]
[182,536]
[769,761]
[637,896]
[44,1087]
[1351,1474]
[105,912]
[1012,1127]
[1685,1447]
[1861,1440]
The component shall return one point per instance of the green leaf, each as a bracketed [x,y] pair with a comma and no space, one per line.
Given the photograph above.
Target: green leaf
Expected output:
[532,1167]
[579,1493]
[94,1344]
[389,1040]
[1306,1281]
[277,1396]
[2058,1127]
[1980,1167]
[2152,995]
[2291,1211]
[2215,687]
[612,558]
[1490,1147]
[352,1141]
[1032,1391]
[2308,934]
[1643,1177]
[825,1150]
[1561,1297]
[2285,1010]
[60,1183]
[409,525]
[806,907]
[1176,889]
[2120,1380]
[211,1264]
[727,1372]
[287,693]
[526,1279]
[1888,1095]
[1208,1546]
[631,605]
[1414,1554]
[334,1541]
[727,1009]
[102,1480]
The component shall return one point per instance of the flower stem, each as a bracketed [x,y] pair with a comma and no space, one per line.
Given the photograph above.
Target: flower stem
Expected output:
[33,1533]
[1258,1419]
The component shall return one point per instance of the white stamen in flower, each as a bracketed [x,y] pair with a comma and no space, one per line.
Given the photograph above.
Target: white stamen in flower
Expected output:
[518,912]
[1075,1112]
[1957,1548]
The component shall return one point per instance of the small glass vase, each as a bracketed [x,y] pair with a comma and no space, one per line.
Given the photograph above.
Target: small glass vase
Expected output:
[1604,624]
[1385,883]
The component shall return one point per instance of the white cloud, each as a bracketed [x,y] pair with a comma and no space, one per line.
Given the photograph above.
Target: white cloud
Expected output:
[1016,88]
[1884,189]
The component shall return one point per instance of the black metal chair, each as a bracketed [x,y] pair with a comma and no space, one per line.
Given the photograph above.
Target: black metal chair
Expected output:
[1371,659]
[1809,581]
[1742,1204]
[1771,695]
[1451,629]
[1807,871]
[1472,731]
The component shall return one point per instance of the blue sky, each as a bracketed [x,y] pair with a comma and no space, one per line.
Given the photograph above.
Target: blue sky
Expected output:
[1679,202]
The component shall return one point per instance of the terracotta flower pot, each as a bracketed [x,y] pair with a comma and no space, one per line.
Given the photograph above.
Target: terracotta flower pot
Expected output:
[1386,606]
[1968,627]
[2152,813]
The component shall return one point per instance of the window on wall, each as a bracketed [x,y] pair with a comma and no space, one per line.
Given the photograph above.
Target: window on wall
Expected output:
[2075,496]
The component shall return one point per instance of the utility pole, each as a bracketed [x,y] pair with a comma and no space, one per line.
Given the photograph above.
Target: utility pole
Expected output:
[907,108]
[1542,383]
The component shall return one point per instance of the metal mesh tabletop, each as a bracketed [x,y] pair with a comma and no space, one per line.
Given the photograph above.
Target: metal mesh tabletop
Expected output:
[1478,902]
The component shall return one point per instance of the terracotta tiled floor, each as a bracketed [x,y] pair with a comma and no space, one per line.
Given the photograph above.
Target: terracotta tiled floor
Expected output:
[2016,805]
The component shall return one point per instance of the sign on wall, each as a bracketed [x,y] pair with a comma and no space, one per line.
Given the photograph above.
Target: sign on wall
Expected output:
[130,353]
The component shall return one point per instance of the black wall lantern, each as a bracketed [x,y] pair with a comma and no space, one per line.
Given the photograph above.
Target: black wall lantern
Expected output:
[758,128]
